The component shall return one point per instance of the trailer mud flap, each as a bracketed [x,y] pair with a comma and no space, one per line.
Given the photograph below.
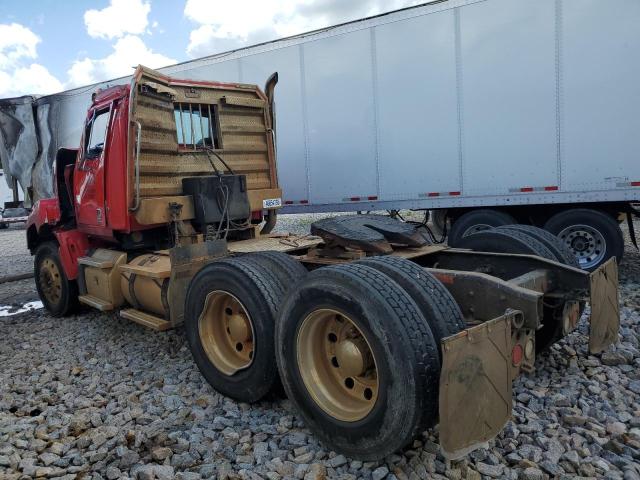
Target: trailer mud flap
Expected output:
[605,309]
[475,385]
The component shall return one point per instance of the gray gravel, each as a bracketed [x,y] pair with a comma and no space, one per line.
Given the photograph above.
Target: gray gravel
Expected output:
[14,255]
[95,396]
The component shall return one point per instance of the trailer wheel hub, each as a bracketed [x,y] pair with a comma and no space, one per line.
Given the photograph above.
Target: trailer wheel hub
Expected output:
[587,244]
[226,332]
[337,365]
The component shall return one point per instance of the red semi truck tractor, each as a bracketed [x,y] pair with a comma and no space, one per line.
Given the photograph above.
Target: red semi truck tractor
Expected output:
[164,214]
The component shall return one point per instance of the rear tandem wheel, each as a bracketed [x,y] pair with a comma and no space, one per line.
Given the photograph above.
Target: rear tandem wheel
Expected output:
[432,298]
[230,313]
[358,360]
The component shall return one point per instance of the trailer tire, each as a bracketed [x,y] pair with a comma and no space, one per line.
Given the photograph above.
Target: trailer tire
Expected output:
[402,350]
[3,225]
[592,235]
[435,302]
[506,241]
[288,270]
[217,287]
[477,221]
[59,295]
[559,249]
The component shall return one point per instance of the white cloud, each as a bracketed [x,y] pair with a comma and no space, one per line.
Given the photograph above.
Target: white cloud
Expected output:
[124,21]
[224,25]
[120,18]
[16,43]
[33,78]
[19,74]
[128,52]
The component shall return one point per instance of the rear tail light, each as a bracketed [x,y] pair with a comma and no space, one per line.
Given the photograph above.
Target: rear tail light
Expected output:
[516,355]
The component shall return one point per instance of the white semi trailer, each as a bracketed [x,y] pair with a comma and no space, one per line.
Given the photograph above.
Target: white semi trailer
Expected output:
[497,111]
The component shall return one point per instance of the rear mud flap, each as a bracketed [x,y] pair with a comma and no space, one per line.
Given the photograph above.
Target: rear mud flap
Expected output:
[605,309]
[475,386]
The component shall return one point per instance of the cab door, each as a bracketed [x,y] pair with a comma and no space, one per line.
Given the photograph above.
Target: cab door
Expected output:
[89,177]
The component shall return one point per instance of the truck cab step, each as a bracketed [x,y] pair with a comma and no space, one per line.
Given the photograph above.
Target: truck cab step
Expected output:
[95,302]
[146,319]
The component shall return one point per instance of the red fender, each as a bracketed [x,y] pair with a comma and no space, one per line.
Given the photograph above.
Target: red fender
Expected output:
[73,245]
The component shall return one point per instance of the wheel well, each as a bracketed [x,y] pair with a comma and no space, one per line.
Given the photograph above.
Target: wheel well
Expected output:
[35,238]
[65,158]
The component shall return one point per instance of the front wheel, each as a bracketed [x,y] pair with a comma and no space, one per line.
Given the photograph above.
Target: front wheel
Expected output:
[59,295]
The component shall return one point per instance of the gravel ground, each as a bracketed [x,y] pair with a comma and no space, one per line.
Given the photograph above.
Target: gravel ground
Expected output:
[96,396]
[14,255]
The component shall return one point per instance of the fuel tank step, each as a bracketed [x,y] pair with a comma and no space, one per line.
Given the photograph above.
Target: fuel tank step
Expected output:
[96,261]
[95,302]
[150,321]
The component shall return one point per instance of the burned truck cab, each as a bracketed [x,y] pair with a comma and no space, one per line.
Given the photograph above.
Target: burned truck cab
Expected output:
[140,143]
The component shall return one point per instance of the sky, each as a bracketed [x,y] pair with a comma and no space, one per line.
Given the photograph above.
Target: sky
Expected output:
[47,46]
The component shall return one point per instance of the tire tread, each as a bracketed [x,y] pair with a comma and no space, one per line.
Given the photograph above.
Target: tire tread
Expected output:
[563,253]
[419,333]
[447,318]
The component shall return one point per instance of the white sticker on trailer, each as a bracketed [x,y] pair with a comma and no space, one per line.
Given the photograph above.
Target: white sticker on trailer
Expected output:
[272,203]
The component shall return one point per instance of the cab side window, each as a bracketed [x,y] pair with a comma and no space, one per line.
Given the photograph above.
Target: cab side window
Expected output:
[96,134]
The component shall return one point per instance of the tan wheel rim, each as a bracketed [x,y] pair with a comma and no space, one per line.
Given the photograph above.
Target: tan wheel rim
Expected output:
[337,365]
[50,281]
[226,332]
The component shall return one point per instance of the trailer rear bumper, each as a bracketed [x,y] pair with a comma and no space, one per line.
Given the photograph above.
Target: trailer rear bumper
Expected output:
[480,363]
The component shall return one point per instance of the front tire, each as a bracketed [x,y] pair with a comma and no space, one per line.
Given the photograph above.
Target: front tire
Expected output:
[58,294]
[358,360]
